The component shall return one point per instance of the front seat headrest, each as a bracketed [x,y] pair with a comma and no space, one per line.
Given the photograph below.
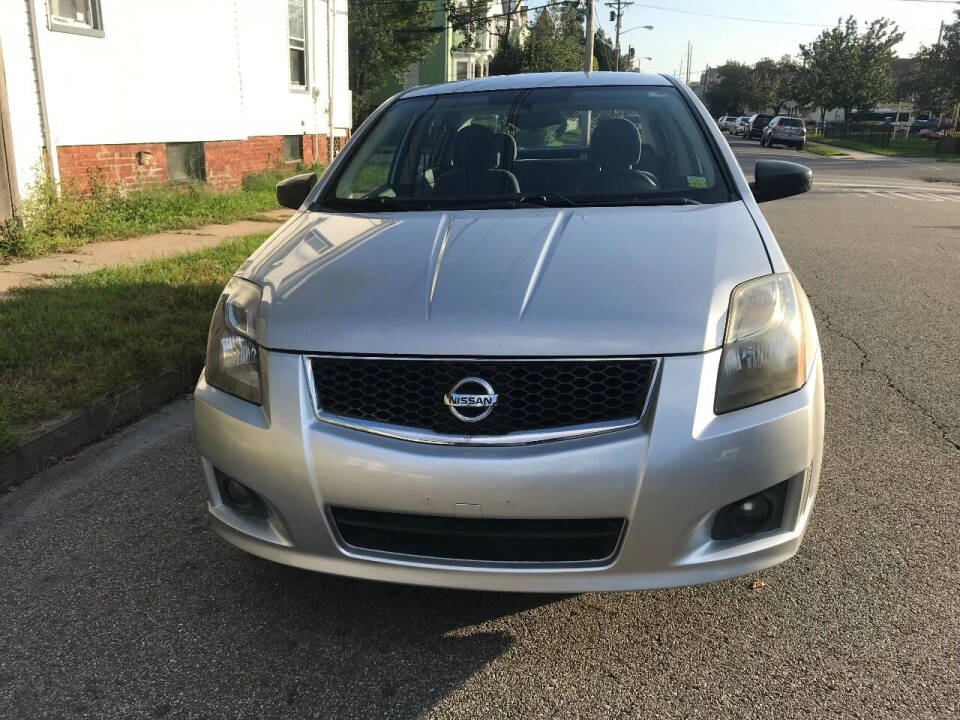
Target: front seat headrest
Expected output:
[475,148]
[615,144]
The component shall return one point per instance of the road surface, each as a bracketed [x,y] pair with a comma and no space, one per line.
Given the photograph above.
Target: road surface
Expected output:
[116,600]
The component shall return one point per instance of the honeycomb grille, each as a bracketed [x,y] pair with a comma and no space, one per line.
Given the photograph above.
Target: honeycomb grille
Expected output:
[532,395]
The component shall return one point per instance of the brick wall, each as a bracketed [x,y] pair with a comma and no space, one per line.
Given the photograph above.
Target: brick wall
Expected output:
[145,164]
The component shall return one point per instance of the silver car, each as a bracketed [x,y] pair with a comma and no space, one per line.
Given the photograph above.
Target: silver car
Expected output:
[510,341]
[783,130]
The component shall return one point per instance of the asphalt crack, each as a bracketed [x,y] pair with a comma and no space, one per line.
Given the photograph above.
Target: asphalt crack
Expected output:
[828,325]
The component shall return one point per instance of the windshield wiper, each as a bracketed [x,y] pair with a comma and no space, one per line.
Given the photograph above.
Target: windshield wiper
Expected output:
[550,199]
[669,200]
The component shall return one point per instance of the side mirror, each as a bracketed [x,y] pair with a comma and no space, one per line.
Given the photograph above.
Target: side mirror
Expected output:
[775,179]
[294,190]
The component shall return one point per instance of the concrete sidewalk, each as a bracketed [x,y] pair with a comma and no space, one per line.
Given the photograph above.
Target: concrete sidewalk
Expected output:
[96,255]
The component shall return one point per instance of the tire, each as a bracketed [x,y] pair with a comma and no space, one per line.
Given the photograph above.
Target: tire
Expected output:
[799,147]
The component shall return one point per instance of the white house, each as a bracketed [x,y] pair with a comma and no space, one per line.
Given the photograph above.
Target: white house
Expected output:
[151,91]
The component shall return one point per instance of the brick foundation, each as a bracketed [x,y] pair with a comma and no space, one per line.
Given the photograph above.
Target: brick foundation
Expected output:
[145,164]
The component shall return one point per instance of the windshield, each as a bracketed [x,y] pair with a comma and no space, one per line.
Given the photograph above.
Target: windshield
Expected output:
[546,146]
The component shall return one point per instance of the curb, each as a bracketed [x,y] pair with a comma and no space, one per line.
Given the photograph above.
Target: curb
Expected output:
[68,434]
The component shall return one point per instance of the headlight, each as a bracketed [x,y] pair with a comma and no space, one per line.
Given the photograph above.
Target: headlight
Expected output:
[763,348]
[233,357]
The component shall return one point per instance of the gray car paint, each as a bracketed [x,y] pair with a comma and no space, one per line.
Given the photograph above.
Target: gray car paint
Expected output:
[668,475]
[587,281]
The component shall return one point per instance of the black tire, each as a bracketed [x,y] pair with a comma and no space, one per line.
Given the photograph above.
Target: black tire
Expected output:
[799,147]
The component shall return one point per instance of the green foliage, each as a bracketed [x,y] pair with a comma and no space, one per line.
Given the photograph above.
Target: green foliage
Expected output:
[934,77]
[731,94]
[385,38]
[86,337]
[605,54]
[52,222]
[849,69]
[554,44]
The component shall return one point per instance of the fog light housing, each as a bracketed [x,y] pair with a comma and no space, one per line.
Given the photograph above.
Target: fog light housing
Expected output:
[237,496]
[753,514]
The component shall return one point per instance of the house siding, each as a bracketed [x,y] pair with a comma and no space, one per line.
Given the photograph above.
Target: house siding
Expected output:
[214,72]
[20,70]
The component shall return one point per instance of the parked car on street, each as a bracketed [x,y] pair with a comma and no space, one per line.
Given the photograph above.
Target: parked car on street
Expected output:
[782,130]
[477,358]
[741,125]
[757,123]
[727,123]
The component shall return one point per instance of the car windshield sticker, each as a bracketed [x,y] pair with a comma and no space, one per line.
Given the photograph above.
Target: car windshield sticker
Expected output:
[696,181]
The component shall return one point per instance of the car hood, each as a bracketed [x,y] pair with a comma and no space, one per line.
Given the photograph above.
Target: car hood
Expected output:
[520,282]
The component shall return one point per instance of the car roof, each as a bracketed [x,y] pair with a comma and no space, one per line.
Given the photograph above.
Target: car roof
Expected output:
[538,80]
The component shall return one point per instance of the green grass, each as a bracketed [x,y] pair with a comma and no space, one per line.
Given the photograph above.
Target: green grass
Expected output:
[85,337]
[53,222]
[925,149]
[824,150]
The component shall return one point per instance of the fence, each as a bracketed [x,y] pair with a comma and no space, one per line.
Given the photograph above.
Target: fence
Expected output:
[885,136]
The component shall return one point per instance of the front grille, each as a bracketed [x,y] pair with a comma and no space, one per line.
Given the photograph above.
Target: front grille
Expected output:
[532,394]
[489,540]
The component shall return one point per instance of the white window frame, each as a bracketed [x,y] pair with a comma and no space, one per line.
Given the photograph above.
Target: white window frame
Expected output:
[291,45]
[91,26]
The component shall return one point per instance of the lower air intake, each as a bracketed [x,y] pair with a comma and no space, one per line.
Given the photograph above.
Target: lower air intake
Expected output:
[475,539]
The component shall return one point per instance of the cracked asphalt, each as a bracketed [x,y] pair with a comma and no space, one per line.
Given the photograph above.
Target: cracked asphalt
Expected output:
[116,601]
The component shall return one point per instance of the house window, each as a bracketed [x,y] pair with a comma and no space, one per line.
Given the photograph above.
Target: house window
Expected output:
[463,69]
[75,16]
[292,148]
[185,162]
[297,40]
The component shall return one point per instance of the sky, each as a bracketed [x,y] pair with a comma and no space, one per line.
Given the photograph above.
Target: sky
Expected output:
[787,23]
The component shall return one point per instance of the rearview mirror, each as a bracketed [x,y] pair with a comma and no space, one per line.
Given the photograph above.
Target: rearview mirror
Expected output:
[294,190]
[775,179]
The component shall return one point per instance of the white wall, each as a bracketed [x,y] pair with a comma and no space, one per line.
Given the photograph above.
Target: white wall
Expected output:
[171,70]
[21,90]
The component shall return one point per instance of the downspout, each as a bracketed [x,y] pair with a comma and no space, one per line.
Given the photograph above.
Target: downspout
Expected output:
[331,32]
[52,165]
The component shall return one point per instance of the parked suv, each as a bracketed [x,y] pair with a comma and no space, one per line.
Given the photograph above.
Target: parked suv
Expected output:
[757,123]
[478,358]
[782,130]
[741,125]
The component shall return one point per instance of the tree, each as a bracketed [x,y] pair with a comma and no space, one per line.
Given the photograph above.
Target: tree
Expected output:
[384,40]
[788,87]
[555,43]
[850,70]
[764,80]
[730,95]
[605,53]
[934,78]
[872,76]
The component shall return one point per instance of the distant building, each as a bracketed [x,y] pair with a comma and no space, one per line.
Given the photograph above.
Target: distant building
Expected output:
[148,92]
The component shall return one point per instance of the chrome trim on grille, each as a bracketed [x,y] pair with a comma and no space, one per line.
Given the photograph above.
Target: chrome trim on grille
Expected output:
[526,437]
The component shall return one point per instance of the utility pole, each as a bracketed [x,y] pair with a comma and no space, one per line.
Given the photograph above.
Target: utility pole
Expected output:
[588,40]
[621,6]
[689,59]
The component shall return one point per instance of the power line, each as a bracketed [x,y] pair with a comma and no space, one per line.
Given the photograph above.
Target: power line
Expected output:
[731,17]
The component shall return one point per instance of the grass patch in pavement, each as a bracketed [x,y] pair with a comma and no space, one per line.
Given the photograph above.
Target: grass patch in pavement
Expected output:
[85,337]
[824,150]
[53,222]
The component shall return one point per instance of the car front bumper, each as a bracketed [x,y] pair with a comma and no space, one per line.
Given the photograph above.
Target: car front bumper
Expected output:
[667,476]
